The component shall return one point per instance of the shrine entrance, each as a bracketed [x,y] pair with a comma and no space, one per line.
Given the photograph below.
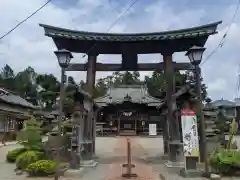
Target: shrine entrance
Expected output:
[129,46]
[128,127]
[128,124]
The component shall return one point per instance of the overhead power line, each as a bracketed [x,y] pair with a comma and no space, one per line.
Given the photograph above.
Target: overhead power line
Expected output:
[114,23]
[223,39]
[24,20]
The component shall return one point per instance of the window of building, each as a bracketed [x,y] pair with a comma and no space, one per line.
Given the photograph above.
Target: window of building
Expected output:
[11,124]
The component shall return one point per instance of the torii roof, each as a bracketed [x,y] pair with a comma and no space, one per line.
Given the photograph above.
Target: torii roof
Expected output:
[132,93]
[118,43]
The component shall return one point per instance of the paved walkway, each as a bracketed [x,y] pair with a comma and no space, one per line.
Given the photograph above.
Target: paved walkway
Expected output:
[111,153]
[143,171]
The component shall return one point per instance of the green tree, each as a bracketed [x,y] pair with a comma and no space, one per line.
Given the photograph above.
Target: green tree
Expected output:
[117,78]
[128,78]
[25,82]
[7,78]
[157,83]
[7,72]
[190,78]
[50,89]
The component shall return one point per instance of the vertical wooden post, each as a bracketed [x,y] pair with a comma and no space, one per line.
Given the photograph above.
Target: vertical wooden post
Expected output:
[91,76]
[172,124]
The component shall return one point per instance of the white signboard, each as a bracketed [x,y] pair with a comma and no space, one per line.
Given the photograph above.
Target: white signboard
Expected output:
[190,133]
[152,129]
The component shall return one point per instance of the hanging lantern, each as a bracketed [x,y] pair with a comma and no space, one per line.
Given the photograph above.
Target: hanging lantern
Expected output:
[143,123]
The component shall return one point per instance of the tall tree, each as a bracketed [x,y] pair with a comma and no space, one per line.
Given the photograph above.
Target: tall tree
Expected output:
[117,78]
[25,82]
[7,72]
[190,78]
[50,89]
[157,83]
[7,78]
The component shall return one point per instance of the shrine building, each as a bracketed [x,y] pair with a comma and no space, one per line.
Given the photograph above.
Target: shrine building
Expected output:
[128,110]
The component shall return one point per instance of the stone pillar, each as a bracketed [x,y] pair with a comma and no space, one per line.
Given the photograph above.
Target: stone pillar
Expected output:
[174,134]
[165,138]
[91,75]
[88,130]
[77,136]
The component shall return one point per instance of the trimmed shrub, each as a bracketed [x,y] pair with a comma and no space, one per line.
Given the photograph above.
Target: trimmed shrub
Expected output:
[13,154]
[26,158]
[42,168]
[226,162]
[30,136]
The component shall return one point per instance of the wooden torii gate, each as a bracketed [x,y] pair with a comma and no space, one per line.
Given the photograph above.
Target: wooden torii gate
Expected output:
[129,46]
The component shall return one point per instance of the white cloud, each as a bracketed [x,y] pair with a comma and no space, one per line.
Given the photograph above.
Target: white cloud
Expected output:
[27,46]
[217,85]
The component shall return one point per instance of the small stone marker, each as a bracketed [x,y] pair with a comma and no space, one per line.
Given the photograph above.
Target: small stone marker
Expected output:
[215,177]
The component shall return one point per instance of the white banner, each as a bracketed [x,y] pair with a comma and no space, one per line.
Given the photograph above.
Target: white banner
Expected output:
[189,133]
[152,129]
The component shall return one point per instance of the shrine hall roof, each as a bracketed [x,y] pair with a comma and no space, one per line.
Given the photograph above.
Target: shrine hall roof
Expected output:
[131,93]
[116,43]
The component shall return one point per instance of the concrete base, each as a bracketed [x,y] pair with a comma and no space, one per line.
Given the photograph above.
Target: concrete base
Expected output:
[191,173]
[153,136]
[165,157]
[89,163]
[171,164]
[94,156]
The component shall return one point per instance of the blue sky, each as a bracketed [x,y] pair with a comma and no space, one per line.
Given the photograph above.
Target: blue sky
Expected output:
[27,46]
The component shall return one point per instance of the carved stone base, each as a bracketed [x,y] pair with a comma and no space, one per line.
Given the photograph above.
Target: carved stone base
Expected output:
[88,163]
[171,164]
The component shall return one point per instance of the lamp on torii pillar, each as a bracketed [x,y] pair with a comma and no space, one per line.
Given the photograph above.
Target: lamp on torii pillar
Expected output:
[195,54]
[64,56]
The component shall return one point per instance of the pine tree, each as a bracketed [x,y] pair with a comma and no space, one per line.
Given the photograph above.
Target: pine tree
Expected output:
[30,136]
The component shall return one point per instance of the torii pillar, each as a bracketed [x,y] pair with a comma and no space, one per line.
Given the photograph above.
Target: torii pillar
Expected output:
[174,142]
[91,76]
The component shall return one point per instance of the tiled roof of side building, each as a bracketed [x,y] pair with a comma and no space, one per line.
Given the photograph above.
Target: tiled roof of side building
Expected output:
[9,97]
[223,103]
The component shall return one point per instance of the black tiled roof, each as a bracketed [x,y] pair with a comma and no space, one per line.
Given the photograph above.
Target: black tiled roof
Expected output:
[133,93]
[204,30]
[11,98]
[224,103]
